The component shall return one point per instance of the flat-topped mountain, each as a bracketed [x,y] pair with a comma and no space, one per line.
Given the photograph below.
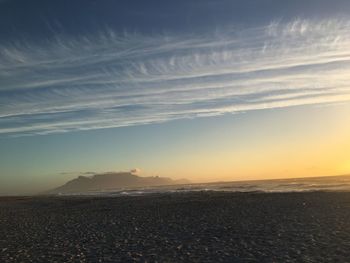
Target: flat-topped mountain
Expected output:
[110,181]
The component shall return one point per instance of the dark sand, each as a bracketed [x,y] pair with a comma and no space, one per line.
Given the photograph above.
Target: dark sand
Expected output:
[190,227]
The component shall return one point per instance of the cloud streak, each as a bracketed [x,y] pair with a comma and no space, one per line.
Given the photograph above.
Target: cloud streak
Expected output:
[109,80]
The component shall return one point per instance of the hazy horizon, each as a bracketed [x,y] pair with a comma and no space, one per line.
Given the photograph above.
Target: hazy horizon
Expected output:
[202,90]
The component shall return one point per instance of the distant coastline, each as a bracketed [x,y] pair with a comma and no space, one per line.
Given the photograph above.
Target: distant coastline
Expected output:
[124,184]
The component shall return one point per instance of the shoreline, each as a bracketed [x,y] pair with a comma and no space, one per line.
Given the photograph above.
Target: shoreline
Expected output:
[117,194]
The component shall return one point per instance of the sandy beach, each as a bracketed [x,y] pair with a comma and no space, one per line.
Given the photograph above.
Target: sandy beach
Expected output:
[183,227]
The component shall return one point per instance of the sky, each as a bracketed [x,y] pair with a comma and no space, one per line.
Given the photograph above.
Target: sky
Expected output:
[207,90]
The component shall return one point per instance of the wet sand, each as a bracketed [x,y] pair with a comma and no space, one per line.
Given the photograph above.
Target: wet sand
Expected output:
[186,227]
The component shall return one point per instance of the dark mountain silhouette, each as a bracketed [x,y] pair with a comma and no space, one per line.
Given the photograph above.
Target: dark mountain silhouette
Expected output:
[110,181]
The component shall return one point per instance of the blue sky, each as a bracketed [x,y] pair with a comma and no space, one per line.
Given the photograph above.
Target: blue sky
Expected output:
[90,73]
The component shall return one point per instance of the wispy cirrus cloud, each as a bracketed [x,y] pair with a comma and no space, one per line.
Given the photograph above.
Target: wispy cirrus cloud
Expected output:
[111,80]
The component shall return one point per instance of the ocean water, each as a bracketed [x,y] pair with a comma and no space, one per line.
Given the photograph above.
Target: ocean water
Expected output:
[334,183]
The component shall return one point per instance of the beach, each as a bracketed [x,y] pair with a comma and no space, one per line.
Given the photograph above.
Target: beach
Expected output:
[202,226]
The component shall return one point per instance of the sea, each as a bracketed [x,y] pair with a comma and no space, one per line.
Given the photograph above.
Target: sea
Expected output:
[330,183]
